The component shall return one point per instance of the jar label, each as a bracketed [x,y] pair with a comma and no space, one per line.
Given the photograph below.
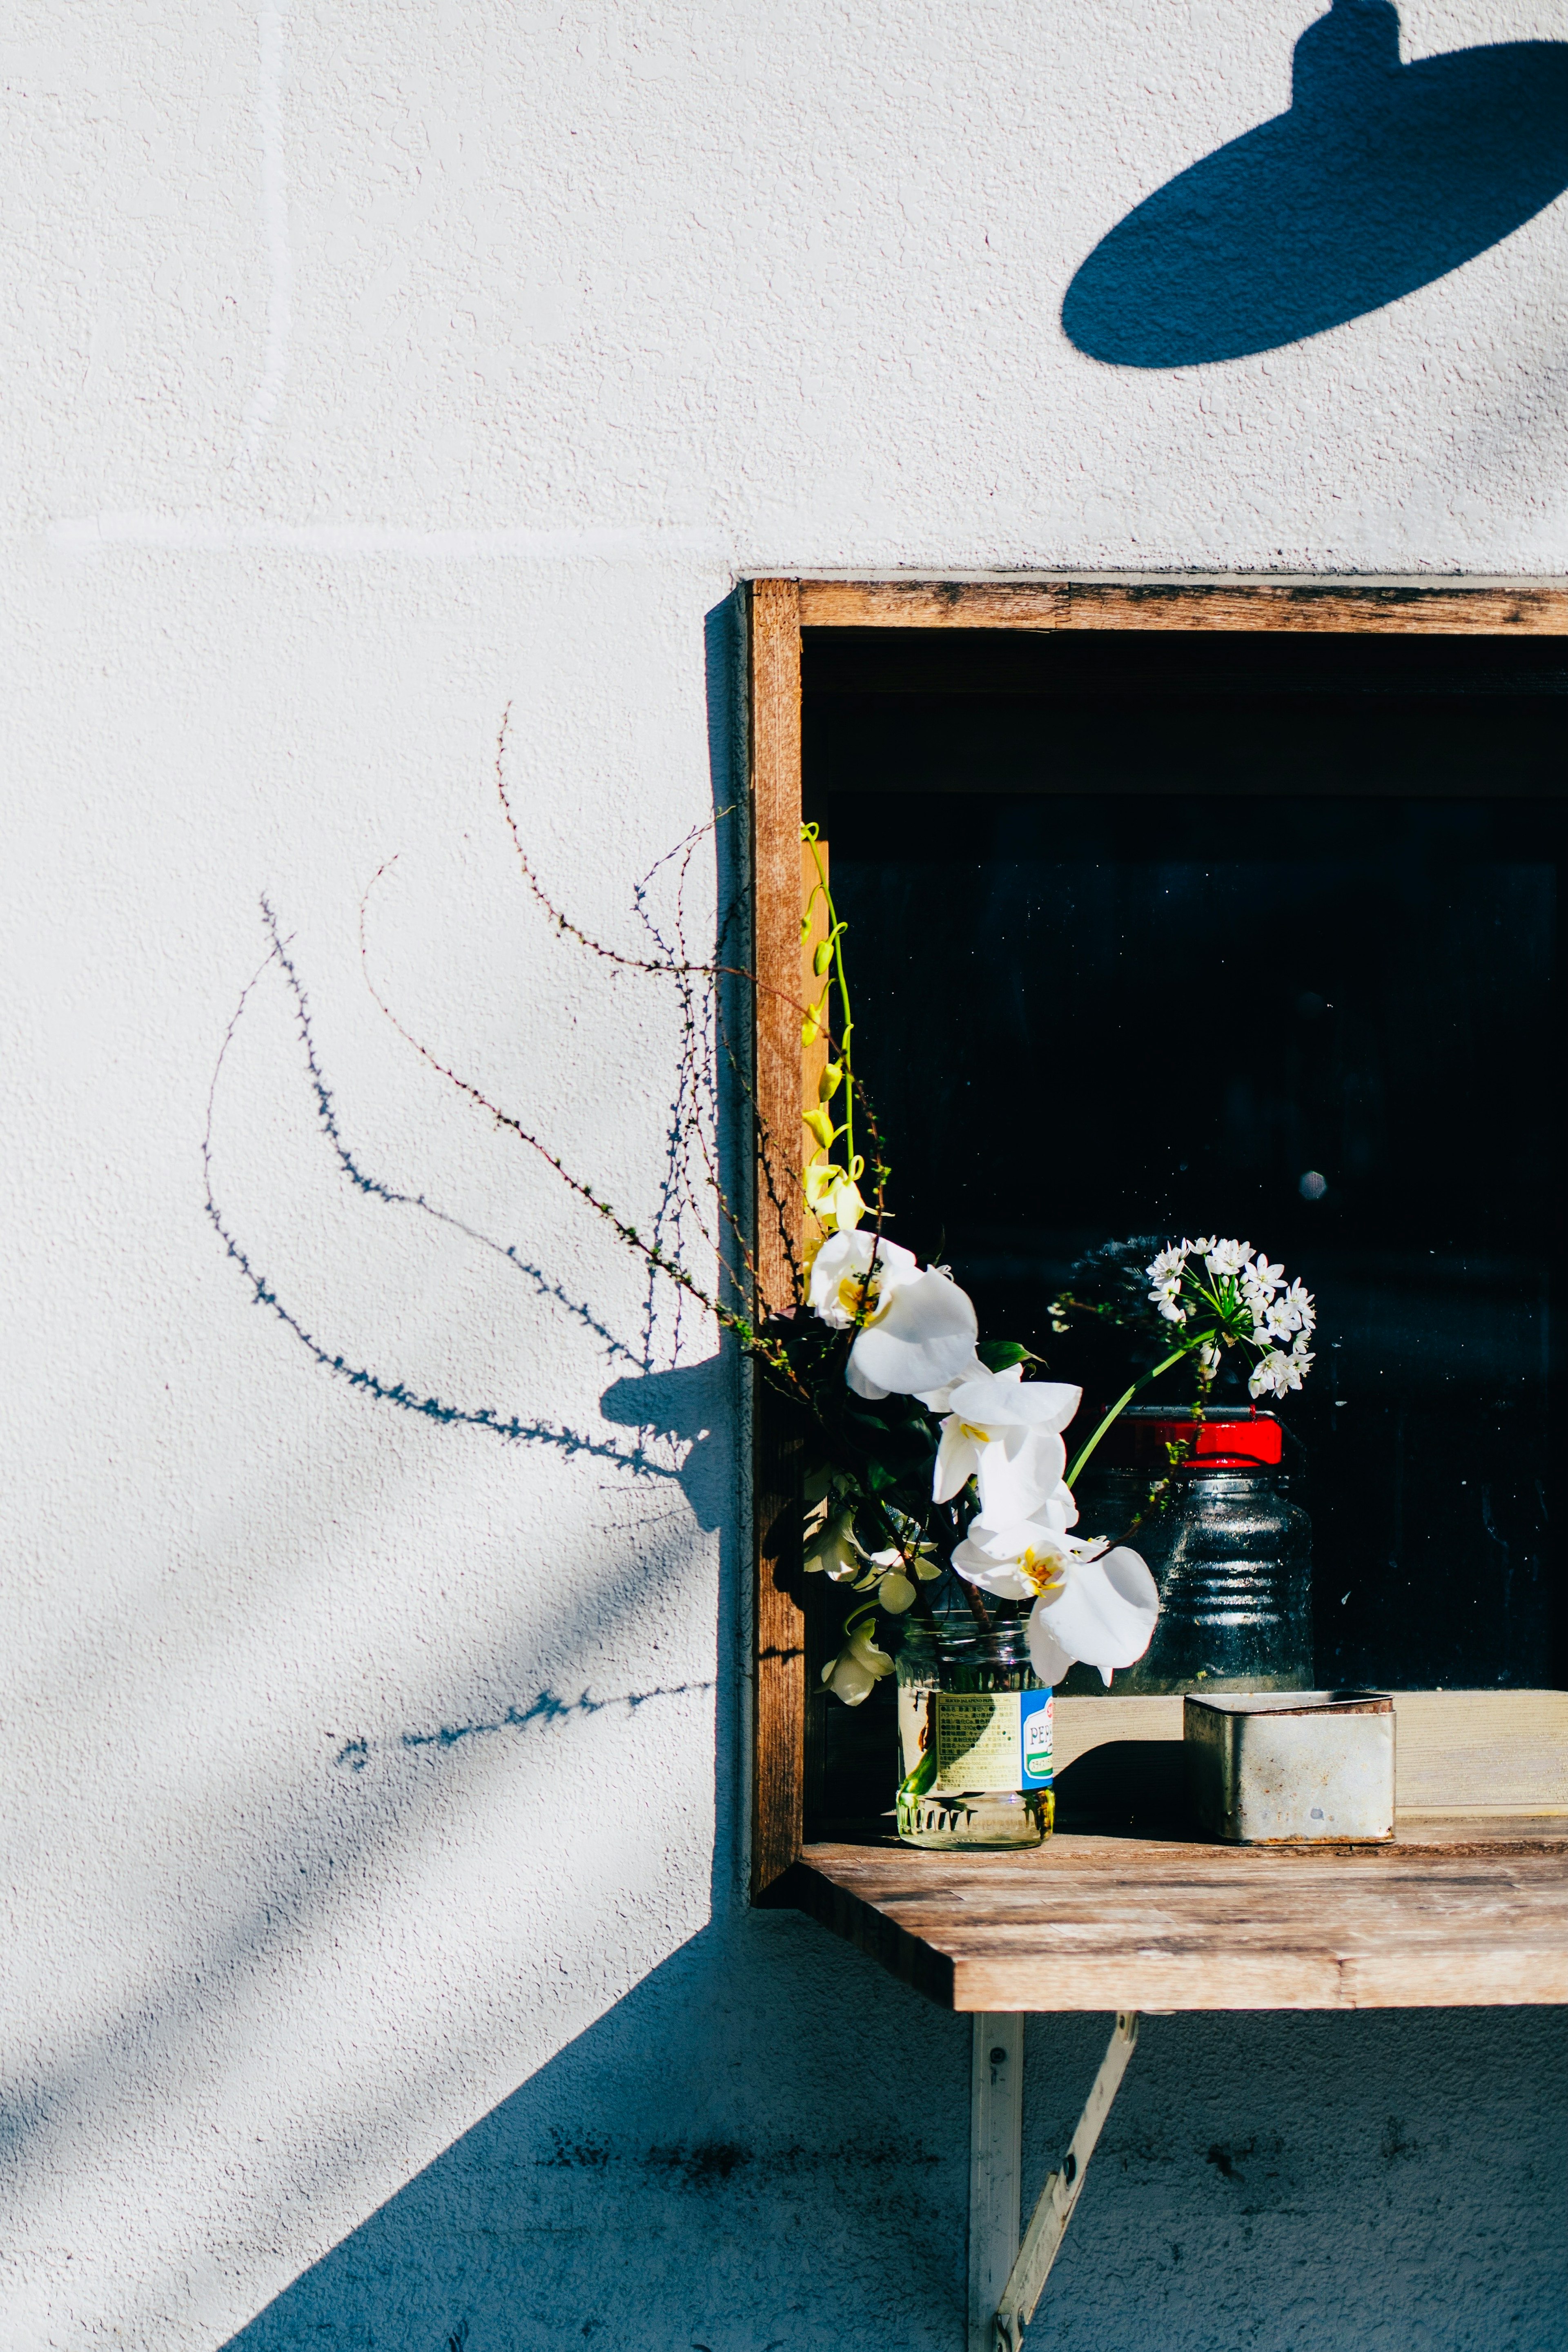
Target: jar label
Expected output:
[971,1742]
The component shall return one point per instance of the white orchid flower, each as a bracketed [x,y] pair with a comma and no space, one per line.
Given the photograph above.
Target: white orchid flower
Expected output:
[831,1549]
[1006,1432]
[1014,1560]
[1090,1604]
[845,1284]
[859,1667]
[921,1337]
[917,1327]
[1102,1610]
[940,1399]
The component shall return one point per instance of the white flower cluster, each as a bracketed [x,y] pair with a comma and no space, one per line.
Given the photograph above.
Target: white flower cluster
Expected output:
[916,1335]
[1242,1298]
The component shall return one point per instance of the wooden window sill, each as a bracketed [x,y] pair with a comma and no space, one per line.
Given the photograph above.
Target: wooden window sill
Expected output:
[1461,1909]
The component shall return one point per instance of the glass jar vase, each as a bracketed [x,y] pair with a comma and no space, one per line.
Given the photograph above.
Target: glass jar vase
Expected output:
[974,1736]
[1230,1552]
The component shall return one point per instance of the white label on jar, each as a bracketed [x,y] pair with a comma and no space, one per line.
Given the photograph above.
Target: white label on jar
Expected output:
[982,1742]
[987,1741]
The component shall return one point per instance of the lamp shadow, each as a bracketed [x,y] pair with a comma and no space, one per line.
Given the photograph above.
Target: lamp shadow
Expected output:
[1380,178]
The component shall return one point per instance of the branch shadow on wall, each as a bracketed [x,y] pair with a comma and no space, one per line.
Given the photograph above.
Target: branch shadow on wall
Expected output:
[663,2178]
[1380,178]
[761,2146]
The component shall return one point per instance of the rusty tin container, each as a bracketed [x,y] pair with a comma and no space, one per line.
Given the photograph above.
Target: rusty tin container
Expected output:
[1298,1768]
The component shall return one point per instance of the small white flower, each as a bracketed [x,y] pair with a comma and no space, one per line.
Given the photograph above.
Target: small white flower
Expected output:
[1166,1273]
[1280,1318]
[1278,1373]
[1299,1298]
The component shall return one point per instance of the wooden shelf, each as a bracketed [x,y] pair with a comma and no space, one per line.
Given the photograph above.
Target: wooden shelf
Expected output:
[1462,1909]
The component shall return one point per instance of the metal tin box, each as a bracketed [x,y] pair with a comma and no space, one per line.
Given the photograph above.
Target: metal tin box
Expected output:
[1291,1767]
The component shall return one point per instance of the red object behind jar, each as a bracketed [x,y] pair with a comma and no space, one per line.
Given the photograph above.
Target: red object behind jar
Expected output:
[1230,1438]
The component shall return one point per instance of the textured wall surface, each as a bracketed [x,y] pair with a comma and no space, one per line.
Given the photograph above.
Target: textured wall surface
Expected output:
[373,1970]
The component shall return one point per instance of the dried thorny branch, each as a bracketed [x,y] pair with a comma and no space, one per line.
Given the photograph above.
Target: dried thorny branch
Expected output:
[742,1327]
[678,964]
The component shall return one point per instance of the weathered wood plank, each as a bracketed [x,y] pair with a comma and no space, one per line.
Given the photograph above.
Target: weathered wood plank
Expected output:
[1093,1923]
[779,1690]
[1447,608]
[932,604]
[775,885]
[1486,1751]
[1492,1750]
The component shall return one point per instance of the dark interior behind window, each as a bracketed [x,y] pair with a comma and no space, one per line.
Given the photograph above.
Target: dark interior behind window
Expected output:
[1160,933]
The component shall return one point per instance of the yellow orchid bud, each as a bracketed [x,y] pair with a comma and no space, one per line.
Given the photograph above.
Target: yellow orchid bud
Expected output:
[820,1181]
[822,957]
[810,1029]
[832,1079]
[821,1126]
[843,1206]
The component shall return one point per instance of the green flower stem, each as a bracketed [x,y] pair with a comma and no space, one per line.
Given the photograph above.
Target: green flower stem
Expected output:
[1076,1468]
[835,934]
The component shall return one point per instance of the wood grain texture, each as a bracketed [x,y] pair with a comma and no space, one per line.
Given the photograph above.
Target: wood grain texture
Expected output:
[1502,1751]
[779,1665]
[775,883]
[1454,1751]
[1101,1923]
[1406,608]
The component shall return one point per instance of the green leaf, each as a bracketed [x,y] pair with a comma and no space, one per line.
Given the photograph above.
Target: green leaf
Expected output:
[998,1355]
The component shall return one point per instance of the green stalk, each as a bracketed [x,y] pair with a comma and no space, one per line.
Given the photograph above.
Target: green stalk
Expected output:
[1075,1469]
[846,1026]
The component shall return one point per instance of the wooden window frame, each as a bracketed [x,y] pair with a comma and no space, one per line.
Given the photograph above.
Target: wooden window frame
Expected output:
[1528,1726]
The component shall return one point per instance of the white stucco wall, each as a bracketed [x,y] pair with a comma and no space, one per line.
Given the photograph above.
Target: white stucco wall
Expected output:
[371,1787]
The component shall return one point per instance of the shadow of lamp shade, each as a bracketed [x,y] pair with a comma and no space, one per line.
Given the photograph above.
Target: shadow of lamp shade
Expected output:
[1380,178]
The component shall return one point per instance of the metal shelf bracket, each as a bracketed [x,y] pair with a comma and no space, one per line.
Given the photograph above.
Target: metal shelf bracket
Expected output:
[996,2117]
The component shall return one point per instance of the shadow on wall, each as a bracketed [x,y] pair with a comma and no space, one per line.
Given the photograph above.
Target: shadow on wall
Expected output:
[666,2181]
[1380,178]
[762,2148]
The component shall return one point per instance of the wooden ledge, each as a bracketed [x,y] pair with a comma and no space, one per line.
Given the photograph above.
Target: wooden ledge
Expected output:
[1444,607]
[1462,1910]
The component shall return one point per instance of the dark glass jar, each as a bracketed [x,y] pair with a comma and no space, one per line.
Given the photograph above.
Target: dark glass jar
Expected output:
[1231,1554]
[972,1708]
